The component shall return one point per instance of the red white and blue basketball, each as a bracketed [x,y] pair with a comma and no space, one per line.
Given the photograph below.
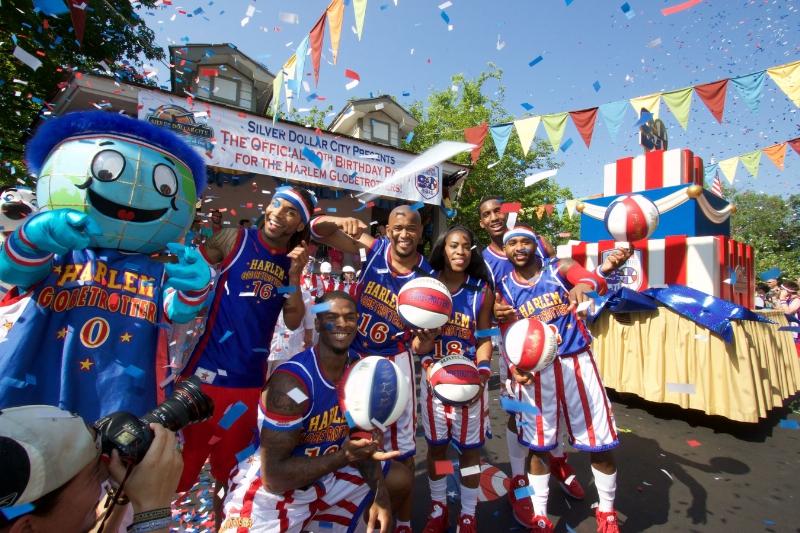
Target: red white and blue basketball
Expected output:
[531,345]
[375,393]
[455,380]
[631,218]
[425,303]
[494,483]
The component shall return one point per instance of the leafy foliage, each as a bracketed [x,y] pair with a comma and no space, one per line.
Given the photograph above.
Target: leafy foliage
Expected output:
[313,118]
[446,115]
[771,225]
[114,34]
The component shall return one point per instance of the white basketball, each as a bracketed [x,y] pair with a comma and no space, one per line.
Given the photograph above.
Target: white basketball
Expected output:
[531,345]
[631,218]
[375,393]
[455,380]
[425,303]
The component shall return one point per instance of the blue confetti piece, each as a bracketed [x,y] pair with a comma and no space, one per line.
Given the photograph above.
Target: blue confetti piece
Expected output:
[450,213]
[311,156]
[410,135]
[406,93]
[515,406]
[568,2]
[384,7]
[244,454]
[523,492]
[330,210]
[526,106]
[596,86]
[643,119]
[535,61]
[630,15]
[491,332]
[789,424]
[625,7]
[18,510]
[320,308]
[134,371]
[566,144]
[445,17]
[326,525]
[793,329]
[288,289]
[225,336]
[417,206]
[232,415]
[769,522]
[350,423]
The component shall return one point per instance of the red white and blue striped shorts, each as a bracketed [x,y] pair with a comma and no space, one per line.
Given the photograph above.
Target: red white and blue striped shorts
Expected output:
[336,502]
[464,425]
[570,388]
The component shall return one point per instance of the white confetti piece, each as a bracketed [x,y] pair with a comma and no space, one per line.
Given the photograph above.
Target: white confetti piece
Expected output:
[681,388]
[500,44]
[583,306]
[251,10]
[471,470]
[445,5]
[27,58]
[539,176]
[222,372]
[244,21]
[289,18]
[352,85]
[666,473]
[378,425]
[511,221]
[246,294]
[297,395]
[362,254]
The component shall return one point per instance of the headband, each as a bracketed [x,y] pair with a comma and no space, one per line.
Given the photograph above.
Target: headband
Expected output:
[787,289]
[293,197]
[519,232]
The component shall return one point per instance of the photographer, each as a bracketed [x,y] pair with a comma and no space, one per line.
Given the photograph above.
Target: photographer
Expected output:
[52,472]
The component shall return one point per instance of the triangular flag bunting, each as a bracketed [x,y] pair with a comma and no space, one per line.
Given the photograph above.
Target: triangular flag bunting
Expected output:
[776,153]
[476,135]
[751,161]
[299,66]
[795,144]
[651,102]
[289,73]
[360,9]
[680,103]
[539,211]
[787,77]
[78,17]
[315,38]
[335,14]
[526,130]
[500,135]
[728,168]
[750,88]
[709,169]
[584,123]
[548,208]
[277,85]
[713,95]
[613,114]
[571,206]
[555,125]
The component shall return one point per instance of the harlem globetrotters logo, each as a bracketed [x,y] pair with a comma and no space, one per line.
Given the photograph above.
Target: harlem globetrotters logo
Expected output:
[427,182]
[182,122]
[628,275]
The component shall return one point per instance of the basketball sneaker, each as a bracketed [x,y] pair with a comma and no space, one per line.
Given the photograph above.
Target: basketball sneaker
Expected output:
[467,524]
[542,525]
[607,521]
[563,472]
[438,521]
[522,508]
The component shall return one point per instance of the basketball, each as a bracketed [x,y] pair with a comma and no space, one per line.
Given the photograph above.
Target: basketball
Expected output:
[374,394]
[531,345]
[631,218]
[455,380]
[425,303]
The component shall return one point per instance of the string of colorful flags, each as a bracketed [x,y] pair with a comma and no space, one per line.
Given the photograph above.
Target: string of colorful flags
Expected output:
[752,160]
[750,89]
[291,74]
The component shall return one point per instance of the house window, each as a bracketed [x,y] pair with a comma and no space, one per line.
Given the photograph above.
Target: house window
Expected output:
[380,130]
[226,89]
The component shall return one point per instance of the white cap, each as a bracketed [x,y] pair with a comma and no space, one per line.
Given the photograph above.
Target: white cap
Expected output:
[325,267]
[348,268]
[42,448]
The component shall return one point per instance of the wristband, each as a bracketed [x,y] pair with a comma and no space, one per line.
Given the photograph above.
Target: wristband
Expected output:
[150,525]
[313,223]
[599,272]
[153,514]
[485,367]
[426,362]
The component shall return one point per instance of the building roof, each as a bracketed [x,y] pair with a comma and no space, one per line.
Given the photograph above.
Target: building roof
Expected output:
[233,51]
[355,109]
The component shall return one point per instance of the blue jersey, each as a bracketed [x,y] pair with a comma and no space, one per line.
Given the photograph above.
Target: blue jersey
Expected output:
[233,350]
[87,337]
[497,263]
[381,331]
[324,426]
[458,334]
[547,299]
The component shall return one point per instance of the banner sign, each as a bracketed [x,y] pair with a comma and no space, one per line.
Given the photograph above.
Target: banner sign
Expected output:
[240,141]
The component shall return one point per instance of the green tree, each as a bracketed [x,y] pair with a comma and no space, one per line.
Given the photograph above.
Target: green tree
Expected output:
[445,116]
[114,35]
[313,118]
[771,225]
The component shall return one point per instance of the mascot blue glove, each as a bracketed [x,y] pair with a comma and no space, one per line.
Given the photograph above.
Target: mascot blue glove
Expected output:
[87,323]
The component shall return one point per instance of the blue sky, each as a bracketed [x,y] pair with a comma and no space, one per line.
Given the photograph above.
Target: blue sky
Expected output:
[407,48]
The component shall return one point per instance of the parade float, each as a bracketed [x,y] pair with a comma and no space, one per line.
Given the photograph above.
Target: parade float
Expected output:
[678,326]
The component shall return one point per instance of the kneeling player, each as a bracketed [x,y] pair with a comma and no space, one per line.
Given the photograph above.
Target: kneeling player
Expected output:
[306,468]
[571,385]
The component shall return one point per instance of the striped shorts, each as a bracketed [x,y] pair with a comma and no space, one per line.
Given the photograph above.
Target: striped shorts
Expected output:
[464,425]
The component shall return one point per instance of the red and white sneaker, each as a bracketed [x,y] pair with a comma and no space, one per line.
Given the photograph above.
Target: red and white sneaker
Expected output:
[563,472]
[467,524]
[607,521]
[521,508]
[542,525]
[438,521]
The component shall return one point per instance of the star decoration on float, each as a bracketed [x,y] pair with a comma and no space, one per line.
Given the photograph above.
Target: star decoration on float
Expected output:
[62,333]
[86,364]
[126,337]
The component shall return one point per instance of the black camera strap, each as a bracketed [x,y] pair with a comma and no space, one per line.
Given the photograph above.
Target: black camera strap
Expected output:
[113,500]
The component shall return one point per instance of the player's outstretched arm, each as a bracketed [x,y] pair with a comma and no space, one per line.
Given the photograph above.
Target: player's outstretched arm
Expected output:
[294,308]
[219,245]
[346,234]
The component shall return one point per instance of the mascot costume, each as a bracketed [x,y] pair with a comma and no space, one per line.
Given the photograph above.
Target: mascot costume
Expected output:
[85,326]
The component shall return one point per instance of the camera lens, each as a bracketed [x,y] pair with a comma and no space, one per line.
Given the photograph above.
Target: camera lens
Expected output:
[187,405]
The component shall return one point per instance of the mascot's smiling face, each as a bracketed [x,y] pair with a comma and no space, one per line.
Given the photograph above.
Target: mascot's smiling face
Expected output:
[142,196]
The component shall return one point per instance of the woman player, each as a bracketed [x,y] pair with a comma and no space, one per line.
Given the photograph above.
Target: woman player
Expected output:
[458,263]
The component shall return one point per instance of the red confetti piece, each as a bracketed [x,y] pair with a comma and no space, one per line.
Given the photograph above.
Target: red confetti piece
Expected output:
[693,443]
[352,74]
[510,207]
[213,440]
[443,468]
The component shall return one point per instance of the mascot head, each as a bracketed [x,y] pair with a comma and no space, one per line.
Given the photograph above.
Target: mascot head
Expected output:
[16,205]
[138,181]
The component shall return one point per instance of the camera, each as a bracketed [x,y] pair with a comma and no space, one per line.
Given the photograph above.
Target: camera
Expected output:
[132,436]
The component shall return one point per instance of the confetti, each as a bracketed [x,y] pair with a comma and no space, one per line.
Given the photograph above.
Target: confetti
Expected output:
[566,144]
[445,17]
[596,86]
[297,395]
[377,424]
[246,294]
[471,470]
[445,5]
[535,61]
[289,18]
[526,106]
[491,332]
[349,418]
[247,452]
[523,492]
[693,443]
[681,388]
[233,413]
[417,206]
[793,329]
[27,58]
[362,253]
[789,424]
[626,8]
[667,11]
[442,468]
[288,289]
[510,207]
[320,308]
[18,510]
[225,336]
[511,220]
[515,406]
